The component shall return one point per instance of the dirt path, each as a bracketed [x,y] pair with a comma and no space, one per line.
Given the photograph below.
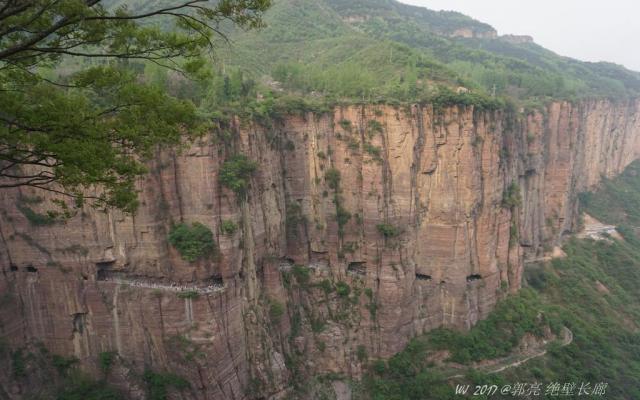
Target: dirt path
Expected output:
[501,364]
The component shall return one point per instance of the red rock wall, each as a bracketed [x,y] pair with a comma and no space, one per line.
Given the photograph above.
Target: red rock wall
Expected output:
[438,179]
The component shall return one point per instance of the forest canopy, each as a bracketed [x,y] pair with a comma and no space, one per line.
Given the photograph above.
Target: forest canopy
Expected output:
[77,116]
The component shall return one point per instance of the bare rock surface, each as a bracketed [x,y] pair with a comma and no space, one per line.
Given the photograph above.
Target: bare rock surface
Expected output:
[430,240]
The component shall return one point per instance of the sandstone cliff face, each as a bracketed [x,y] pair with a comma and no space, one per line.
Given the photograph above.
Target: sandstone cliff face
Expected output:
[416,234]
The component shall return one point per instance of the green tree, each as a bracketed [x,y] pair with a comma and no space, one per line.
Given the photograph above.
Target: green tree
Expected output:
[236,172]
[76,117]
[192,242]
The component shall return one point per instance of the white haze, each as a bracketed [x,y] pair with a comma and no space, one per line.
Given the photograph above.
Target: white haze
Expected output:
[589,30]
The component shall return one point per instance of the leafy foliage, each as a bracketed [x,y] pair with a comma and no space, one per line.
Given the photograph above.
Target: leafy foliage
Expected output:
[405,53]
[361,353]
[497,335]
[342,216]
[343,289]
[35,218]
[18,364]
[236,172]
[228,227]
[276,310]
[388,230]
[157,384]
[77,116]
[83,387]
[106,359]
[374,151]
[193,242]
[593,292]
[62,363]
[302,274]
[332,177]
[618,200]
[512,196]
[294,217]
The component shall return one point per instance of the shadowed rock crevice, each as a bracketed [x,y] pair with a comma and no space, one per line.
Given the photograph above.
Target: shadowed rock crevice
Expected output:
[457,241]
[423,277]
[357,267]
[473,278]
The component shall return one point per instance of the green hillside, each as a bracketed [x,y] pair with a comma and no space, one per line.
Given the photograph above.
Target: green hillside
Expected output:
[382,50]
[593,292]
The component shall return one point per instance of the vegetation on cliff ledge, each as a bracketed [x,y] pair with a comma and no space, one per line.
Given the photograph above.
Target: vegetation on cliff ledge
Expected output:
[192,242]
[236,172]
[78,114]
[383,50]
[593,292]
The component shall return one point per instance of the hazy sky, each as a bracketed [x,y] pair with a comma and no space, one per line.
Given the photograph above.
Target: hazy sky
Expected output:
[588,30]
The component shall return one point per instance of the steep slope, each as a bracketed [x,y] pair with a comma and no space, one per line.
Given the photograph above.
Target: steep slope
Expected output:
[592,291]
[362,228]
[404,51]
[337,233]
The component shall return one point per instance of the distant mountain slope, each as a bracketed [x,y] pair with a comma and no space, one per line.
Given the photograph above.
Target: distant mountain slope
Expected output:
[385,49]
[593,291]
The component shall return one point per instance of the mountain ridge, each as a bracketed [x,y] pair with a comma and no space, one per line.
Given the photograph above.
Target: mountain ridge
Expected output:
[406,52]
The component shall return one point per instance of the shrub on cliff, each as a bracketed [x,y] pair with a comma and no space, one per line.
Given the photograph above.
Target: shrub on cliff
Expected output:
[343,217]
[62,364]
[157,384]
[192,242]
[81,386]
[302,274]
[276,310]
[445,97]
[511,197]
[106,359]
[236,172]
[58,119]
[374,151]
[332,177]
[228,227]
[388,230]
[35,218]
[343,289]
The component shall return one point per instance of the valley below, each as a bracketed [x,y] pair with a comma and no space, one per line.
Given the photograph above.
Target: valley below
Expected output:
[348,200]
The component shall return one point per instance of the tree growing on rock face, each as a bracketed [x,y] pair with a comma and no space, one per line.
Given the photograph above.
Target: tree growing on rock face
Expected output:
[76,116]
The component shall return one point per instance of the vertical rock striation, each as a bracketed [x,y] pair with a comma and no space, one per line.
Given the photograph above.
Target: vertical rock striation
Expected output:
[427,224]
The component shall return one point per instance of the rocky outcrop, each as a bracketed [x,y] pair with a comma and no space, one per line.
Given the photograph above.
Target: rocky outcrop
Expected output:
[516,39]
[362,228]
[470,33]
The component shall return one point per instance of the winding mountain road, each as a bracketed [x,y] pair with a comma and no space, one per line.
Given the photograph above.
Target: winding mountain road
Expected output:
[501,364]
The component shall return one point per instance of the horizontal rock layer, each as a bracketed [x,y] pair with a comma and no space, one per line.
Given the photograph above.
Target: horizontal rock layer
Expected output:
[429,225]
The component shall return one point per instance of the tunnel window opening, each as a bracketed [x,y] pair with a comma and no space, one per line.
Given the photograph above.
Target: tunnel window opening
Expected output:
[13,268]
[102,275]
[474,277]
[31,268]
[286,264]
[357,267]
[102,265]
[423,277]
[104,270]
[217,280]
